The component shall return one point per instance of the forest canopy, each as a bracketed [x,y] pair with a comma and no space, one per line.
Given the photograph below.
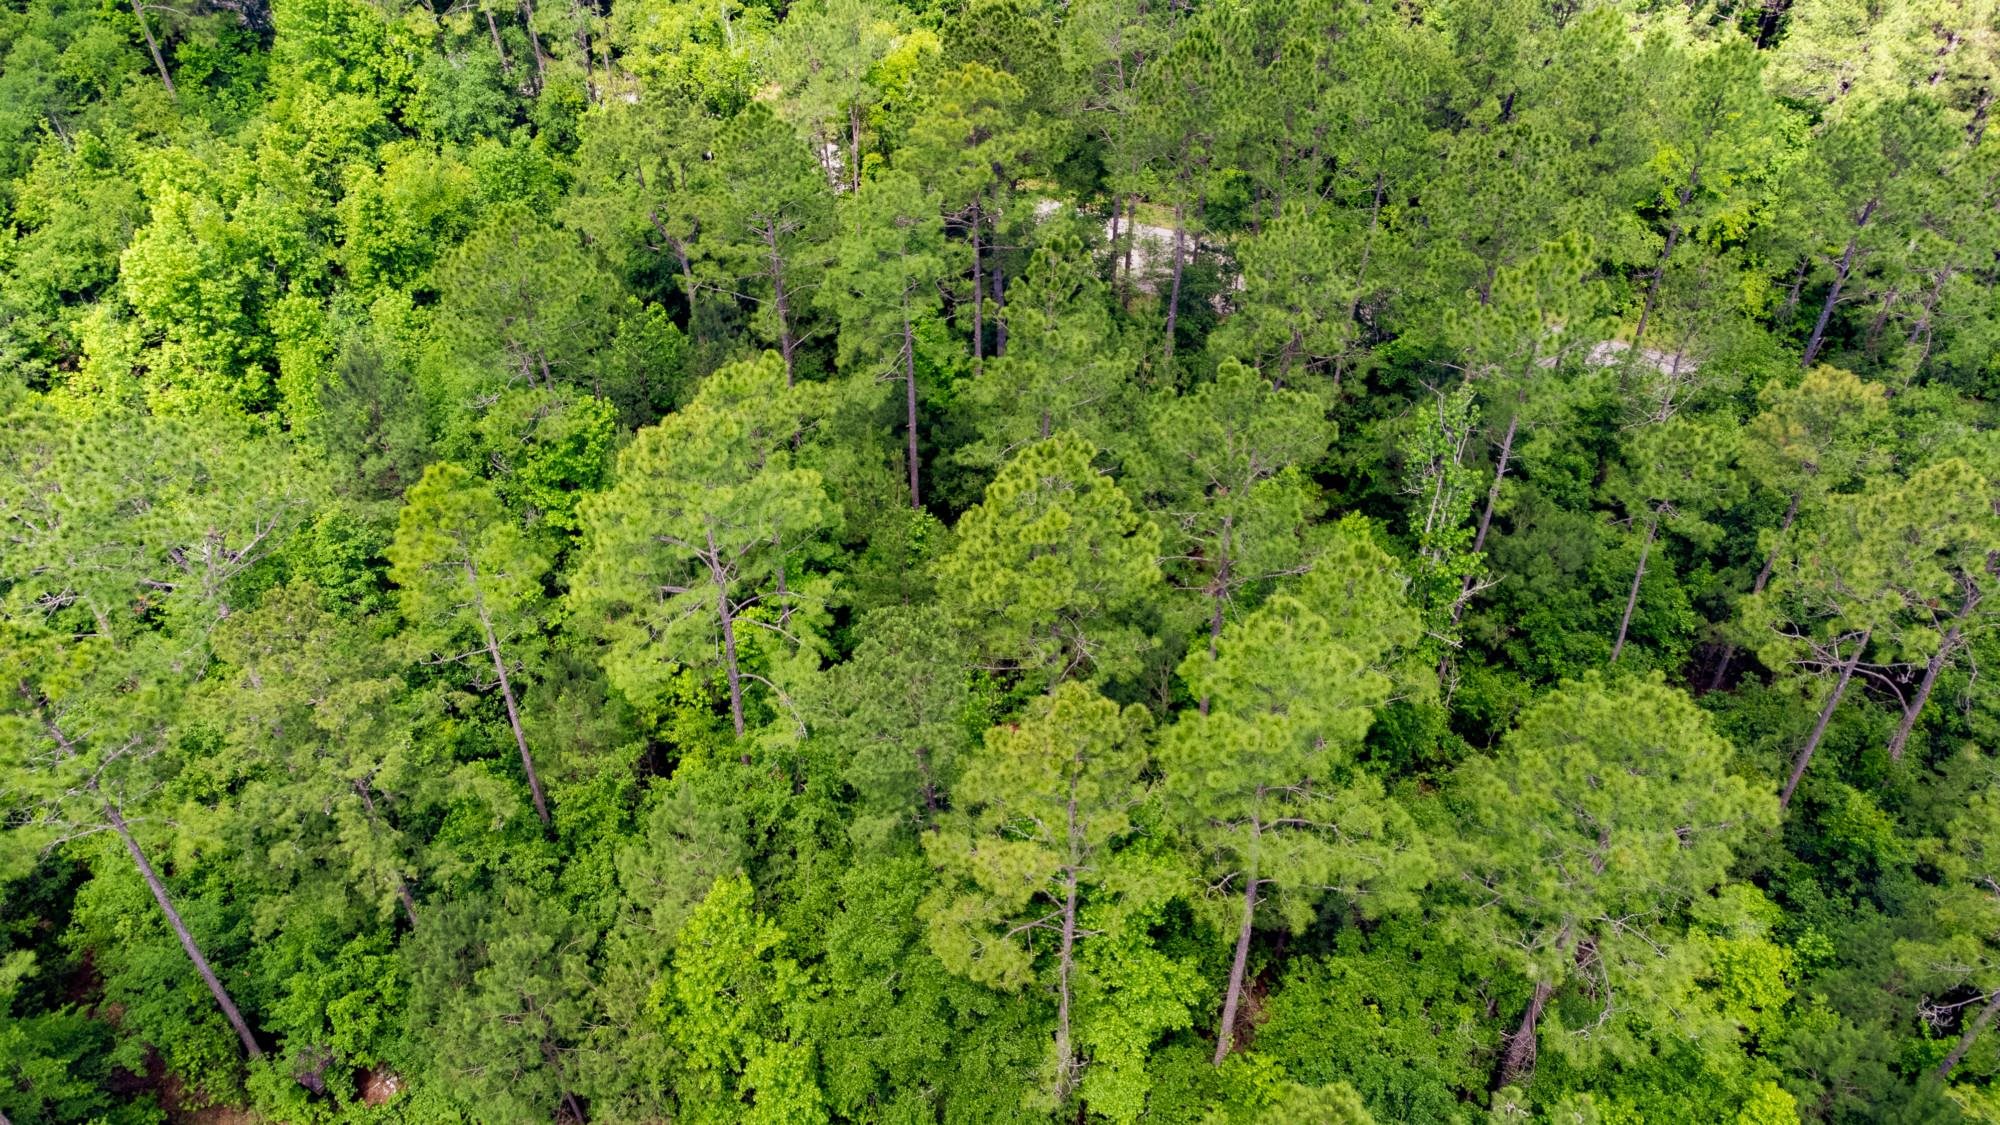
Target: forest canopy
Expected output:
[1226,562]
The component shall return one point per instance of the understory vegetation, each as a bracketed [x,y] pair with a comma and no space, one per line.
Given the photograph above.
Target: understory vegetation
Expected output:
[1180,561]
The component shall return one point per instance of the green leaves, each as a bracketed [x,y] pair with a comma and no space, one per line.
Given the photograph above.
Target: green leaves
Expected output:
[695,532]
[1051,569]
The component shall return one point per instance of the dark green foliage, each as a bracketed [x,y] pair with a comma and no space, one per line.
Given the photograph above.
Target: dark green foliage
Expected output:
[898,562]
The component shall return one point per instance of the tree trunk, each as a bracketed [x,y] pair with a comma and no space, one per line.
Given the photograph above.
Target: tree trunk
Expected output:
[1825,717]
[402,888]
[535,44]
[1065,960]
[507,694]
[1763,577]
[910,405]
[153,46]
[1653,287]
[1767,22]
[583,45]
[506,65]
[1840,276]
[854,146]
[1361,274]
[1225,1031]
[1174,299]
[208,977]
[781,302]
[1937,662]
[1520,1057]
[1486,517]
[1218,592]
[1660,268]
[978,299]
[1972,1031]
[1131,237]
[734,674]
[1499,475]
[1798,283]
[1632,596]
[999,311]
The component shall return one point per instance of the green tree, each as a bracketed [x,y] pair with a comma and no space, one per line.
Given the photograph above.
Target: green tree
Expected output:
[1808,442]
[1609,810]
[1268,782]
[969,143]
[498,995]
[471,587]
[321,723]
[1962,952]
[1050,568]
[727,1011]
[897,711]
[769,222]
[883,282]
[1065,368]
[690,541]
[1225,465]
[1676,474]
[1872,571]
[1037,817]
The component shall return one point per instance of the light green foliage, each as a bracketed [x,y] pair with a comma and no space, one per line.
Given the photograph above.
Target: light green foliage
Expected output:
[465,572]
[1031,867]
[684,553]
[1050,569]
[1267,781]
[727,1011]
[1816,438]
[1606,816]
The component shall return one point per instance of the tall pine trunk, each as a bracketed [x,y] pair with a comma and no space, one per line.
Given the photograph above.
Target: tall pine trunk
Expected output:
[535,44]
[1174,298]
[1520,1057]
[1486,517]
[1825,717]
[910,406]
[499,48]
[781,302]
[1937,662]
[153,46]
[1840,277]
[978,299]
[1225,1031]
[727,614]
[1632,596]
[116,820]
[507,694]
[1972,1031]
[1065,963]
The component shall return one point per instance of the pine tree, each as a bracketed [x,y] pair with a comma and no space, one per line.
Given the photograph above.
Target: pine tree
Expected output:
[1050,569]
[688,546]
[471,588]
[1268,784]
[1031,842]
